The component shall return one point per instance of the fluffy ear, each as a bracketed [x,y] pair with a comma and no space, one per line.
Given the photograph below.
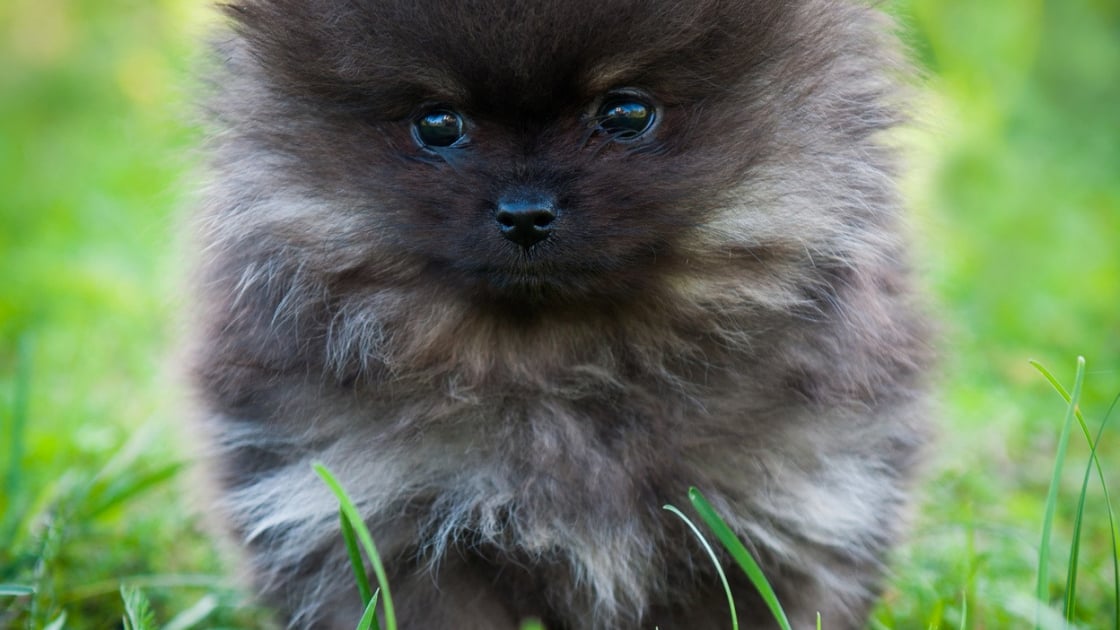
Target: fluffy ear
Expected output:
[330,52]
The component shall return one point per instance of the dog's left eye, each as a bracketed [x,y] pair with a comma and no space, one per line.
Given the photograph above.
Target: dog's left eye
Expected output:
[625,116]
[439,128]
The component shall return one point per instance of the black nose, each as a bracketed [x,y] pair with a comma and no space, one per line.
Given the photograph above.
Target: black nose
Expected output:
[525,221]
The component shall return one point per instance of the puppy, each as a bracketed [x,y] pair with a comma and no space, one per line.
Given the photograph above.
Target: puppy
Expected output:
[520,272]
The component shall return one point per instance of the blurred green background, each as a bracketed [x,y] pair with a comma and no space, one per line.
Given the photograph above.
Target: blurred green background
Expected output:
[1015,188]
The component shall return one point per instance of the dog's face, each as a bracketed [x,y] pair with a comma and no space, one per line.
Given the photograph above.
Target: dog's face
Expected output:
[531,152]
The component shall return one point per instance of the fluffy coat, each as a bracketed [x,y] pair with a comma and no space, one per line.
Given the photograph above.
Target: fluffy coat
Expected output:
[724,303]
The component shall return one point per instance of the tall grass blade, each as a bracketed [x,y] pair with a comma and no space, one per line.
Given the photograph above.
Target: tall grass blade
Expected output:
[369,616]
[715,562]
[531,624]
[1113,525]
[355,554]
[1075,545]
[351,512]
[740,554]
[1069,603]
[1042,587]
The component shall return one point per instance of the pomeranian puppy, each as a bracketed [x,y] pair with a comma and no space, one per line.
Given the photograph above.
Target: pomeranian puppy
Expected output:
[520,272]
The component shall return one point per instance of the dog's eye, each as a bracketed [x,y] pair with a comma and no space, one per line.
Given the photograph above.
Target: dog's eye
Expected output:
[438,128]
[625,116]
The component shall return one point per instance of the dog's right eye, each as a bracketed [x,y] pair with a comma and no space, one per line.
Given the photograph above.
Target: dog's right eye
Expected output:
[626,116]
[439,128]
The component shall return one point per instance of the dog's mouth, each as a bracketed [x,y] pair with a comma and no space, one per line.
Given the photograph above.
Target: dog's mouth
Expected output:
[552,286]
[552,272]
[538,280]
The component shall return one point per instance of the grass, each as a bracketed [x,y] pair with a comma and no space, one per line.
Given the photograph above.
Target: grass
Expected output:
[1094,464]
[351,521]
[738,552]
[1017,205]
[719,566]
[1042,591]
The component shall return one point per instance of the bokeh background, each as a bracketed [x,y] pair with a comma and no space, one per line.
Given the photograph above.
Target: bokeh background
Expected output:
[1015,187]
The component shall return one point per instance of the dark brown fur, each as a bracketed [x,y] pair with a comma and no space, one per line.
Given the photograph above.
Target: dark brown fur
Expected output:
[724,303]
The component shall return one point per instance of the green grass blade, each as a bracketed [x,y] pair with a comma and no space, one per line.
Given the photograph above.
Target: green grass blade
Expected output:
[715,562]
[1075,546]
[194,615]
[369,616]
[1066,396]
[138,613]
[740,554]
[531,624]
[355,554]
[58,623]
[122,490]
[16,590]
[1071,575]
[1114,526]
[1042,587]
[347,506]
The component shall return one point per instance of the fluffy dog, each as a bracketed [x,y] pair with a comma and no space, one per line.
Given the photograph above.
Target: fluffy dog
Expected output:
[522,271]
